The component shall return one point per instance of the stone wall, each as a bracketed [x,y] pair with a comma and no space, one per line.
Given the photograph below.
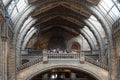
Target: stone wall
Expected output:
[116,45]
[0,59]
[1,33]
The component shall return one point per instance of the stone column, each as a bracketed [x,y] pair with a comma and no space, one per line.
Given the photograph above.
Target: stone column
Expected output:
[18,56]
[0,59]
[113,66]
[118,69]
[118,59]
[4,57]
[73,76]
[82,58]
[12,65]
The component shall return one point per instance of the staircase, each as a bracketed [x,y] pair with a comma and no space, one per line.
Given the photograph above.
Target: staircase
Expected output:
[71,60]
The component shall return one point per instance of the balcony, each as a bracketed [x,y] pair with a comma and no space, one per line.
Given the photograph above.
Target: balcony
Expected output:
[68,58]
[46,61]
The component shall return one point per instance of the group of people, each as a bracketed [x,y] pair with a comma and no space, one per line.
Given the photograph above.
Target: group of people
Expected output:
[57,50]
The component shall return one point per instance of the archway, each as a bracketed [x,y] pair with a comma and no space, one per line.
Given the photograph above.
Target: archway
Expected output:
[64,74]
[35,70]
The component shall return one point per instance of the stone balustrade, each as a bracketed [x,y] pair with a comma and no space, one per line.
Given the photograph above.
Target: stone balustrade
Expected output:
[64,79]
[90,60]
[30,63]
[62,56]
[28,52]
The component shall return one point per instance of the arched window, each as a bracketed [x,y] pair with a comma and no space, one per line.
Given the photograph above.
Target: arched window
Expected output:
[75,46]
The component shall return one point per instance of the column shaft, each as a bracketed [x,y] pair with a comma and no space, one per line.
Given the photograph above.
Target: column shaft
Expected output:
[4,58]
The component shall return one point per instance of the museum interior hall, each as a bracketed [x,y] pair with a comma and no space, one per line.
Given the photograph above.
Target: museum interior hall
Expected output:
[59,39]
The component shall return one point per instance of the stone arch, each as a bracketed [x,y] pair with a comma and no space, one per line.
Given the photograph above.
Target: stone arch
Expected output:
[97,76]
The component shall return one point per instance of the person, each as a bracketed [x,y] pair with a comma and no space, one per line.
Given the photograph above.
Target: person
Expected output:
[54,50]
[97,60]
[65,51]
[57,50]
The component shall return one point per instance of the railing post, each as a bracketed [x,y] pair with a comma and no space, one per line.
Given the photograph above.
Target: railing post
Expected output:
[45,56]
[82,57]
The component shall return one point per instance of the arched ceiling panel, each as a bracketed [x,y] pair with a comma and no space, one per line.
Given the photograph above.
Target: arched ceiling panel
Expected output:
[26,28]
[26,40]
[96,32]
[97,25]
[104,24]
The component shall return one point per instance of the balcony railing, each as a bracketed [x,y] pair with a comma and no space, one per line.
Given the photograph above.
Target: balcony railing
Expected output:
[62,56]
[63,79]
[30,63]
[97,63]
[39,52]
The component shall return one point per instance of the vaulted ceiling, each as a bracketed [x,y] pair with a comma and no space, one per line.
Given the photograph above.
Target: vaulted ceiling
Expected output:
[76,17]
[61,14]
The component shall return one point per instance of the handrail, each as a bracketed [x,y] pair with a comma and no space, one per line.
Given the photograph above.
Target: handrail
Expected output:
[101,65]
[28,64]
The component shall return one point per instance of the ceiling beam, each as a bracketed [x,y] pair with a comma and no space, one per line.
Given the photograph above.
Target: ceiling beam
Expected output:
[74,7]
[70,19]
[68,29]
